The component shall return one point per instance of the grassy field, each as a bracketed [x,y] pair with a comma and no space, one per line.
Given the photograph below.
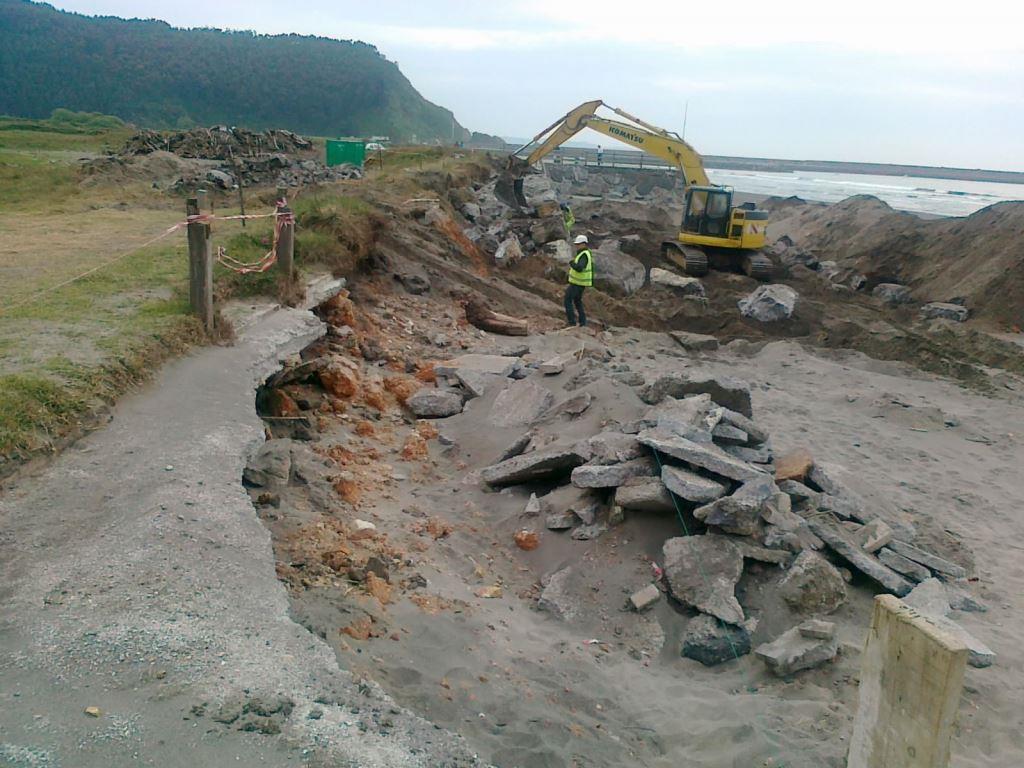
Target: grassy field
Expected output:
[68,347]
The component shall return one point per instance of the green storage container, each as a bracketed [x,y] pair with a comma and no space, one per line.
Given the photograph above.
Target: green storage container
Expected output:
[340,151]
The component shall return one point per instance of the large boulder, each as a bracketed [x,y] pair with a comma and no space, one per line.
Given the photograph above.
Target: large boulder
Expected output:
[702,571]
[812,585]
[686,286]
[769,303]
[509,252]
[548,230]
[271,466]
[615,272]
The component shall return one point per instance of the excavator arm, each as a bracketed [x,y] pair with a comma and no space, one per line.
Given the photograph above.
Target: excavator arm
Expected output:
[637,133]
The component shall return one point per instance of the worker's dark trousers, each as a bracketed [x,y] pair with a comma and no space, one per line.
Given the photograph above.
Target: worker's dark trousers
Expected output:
[574,299]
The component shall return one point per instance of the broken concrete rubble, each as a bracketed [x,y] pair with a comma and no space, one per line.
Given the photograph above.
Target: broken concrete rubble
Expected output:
[812,585]
[611,448]
[793,651]
[739,513]
[644,598]
[520,403]
[902,565]
[873,535]
[931,599]
[611,475]
[794,465]
[724,390]
[691,486]
[841,543]
[533,466]
[644,494]
[691,417]
[685,286]
[712,642]
[430,403]
[619,273]
[702,571]
[703,455]
[927,559]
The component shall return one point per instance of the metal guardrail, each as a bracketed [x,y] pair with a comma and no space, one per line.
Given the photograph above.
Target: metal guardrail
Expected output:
[606,158]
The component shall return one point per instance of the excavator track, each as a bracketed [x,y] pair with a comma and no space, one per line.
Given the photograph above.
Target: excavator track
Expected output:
[693,261]
[758,266]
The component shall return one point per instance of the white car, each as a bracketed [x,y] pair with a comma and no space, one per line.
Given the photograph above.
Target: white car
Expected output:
[373,146]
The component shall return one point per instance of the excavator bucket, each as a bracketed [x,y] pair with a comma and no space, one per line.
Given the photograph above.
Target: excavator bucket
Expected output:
[509,186]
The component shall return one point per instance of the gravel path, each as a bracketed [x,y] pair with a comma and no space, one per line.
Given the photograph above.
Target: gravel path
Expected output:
[136,578]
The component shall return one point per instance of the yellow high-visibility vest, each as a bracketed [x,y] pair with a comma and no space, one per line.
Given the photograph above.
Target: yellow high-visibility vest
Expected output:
[585,276]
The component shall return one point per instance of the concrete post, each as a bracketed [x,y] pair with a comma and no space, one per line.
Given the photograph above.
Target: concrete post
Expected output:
[911,677]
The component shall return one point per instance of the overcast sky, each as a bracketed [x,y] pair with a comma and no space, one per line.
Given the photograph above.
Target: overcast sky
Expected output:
[913,81]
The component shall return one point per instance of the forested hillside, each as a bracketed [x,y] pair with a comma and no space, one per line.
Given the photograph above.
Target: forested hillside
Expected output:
[153,74]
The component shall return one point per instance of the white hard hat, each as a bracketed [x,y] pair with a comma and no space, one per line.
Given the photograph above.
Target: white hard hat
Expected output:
[580,239]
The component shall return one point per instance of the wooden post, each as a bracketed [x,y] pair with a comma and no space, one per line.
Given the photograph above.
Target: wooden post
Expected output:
[200,266]
[241,196]
[911,677]
[286,245]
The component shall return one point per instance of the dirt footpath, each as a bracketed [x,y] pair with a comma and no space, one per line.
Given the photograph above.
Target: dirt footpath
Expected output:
[137,580]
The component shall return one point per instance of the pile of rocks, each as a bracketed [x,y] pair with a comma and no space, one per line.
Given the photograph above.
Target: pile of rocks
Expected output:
[279,169]
[217,143]
[697,453]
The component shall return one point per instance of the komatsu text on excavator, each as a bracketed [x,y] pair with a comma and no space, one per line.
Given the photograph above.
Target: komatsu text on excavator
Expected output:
[713,232]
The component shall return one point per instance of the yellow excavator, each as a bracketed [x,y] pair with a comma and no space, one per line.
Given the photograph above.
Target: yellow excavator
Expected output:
[713,232]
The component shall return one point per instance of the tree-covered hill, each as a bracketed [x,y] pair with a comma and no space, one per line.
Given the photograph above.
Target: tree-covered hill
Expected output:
[153,74]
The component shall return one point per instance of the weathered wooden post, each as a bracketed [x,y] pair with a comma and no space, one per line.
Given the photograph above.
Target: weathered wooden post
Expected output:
[911,677]
[285,241]
[200,266]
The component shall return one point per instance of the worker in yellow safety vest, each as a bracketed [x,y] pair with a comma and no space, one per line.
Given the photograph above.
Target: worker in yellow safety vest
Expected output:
[581,276]
[568,218]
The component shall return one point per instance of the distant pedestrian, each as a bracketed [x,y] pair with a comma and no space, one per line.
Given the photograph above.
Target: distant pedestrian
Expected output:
[581,277]
[600,154]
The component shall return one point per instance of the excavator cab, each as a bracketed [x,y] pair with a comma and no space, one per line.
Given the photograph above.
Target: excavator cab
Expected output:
[707,211]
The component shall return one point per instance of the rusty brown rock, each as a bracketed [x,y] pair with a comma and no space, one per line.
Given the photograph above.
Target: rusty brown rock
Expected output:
[794,465]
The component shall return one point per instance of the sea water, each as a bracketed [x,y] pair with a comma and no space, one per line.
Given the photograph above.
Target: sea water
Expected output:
[939,197]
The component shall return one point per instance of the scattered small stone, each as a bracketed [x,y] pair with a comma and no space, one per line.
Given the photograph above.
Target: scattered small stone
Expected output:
[616,515]
[929,597]
[573,406]
[93,711]
[518,447]
[489,592]
[527,540]
[818,629]
[560,521]
[379,567]
[960,600]
[892,293]
[533,506]
[588,532]
[556,364]
[761,454]
[645,598]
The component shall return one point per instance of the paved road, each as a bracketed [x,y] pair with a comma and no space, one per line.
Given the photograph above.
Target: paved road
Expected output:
[135,577]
